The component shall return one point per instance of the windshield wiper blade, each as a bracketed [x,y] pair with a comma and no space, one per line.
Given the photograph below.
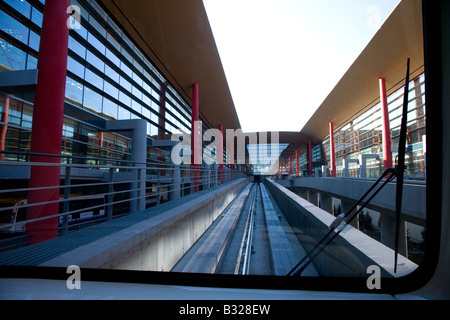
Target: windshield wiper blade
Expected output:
[401,167]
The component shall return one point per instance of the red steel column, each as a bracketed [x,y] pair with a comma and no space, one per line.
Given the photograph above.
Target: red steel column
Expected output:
[220,154]
[48,116]
[195,137]
[332,151]
[4,129]
[296,163]
[386,130]
[310,164]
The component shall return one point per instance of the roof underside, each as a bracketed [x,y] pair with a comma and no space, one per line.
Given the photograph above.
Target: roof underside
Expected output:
[177,38]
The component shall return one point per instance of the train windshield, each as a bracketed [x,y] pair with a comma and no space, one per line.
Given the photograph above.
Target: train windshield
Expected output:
[329,179]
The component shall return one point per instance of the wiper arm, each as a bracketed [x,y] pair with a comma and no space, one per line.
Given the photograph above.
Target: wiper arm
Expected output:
[401,166]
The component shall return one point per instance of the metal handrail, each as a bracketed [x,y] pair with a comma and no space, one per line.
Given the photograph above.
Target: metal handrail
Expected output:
[206,178]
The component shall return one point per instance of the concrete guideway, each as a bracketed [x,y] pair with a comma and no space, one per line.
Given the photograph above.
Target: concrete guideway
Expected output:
[251,235]
[205,254]
[286,251]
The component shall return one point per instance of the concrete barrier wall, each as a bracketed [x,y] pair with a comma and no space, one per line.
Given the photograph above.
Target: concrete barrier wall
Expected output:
[350,254]
[155,244]
[414,194]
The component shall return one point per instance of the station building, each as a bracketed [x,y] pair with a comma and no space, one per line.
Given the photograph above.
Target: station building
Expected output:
[362,114]
[123,67]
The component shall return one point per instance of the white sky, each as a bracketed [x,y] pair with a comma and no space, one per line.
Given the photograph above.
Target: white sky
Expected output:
[283,57]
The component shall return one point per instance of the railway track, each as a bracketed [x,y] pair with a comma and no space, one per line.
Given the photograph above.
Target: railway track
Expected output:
[251,237]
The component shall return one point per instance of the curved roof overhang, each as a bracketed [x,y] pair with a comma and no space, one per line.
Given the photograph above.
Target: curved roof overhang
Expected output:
[399,38]
[177,37]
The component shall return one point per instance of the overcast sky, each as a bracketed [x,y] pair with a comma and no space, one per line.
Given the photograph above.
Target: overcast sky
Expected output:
[283,57]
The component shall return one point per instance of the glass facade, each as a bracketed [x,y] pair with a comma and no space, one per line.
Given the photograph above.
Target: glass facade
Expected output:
[363,135]
[107,75]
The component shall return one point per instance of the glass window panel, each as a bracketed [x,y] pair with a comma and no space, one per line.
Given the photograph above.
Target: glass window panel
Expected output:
[74,91]
[127,55]
[154,117]
[94,79]
[154,107]
[95,61]
[125,69]
[75,67]
[137,93]
[111,90]
[136,106]
[11,57]
[137,79]
[22,6]
[92,100]
[76,47]
[124,83]
[147,88]
[112,57]
[146,112]
[124,98]
[13,27]
[34,41]
[155,95]
[97,26]
[112,74]
[146,100]
[137,65]
[31,62]
[113,41]
[37,17]
[27,116]
[15,112]
[124,114]
[110,108]
[82,32]
[96,43]
[68,130]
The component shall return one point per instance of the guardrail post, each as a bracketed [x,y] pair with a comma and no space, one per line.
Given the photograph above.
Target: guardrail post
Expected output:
[158,187]
[176,180]
[208,177]
[66,205]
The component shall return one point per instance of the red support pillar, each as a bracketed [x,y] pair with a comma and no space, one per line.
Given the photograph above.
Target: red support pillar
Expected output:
[48,116]
[332,151]
[4,127]
[220,154]
[195,135]
[386,130]
[296,163]
[310,164]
